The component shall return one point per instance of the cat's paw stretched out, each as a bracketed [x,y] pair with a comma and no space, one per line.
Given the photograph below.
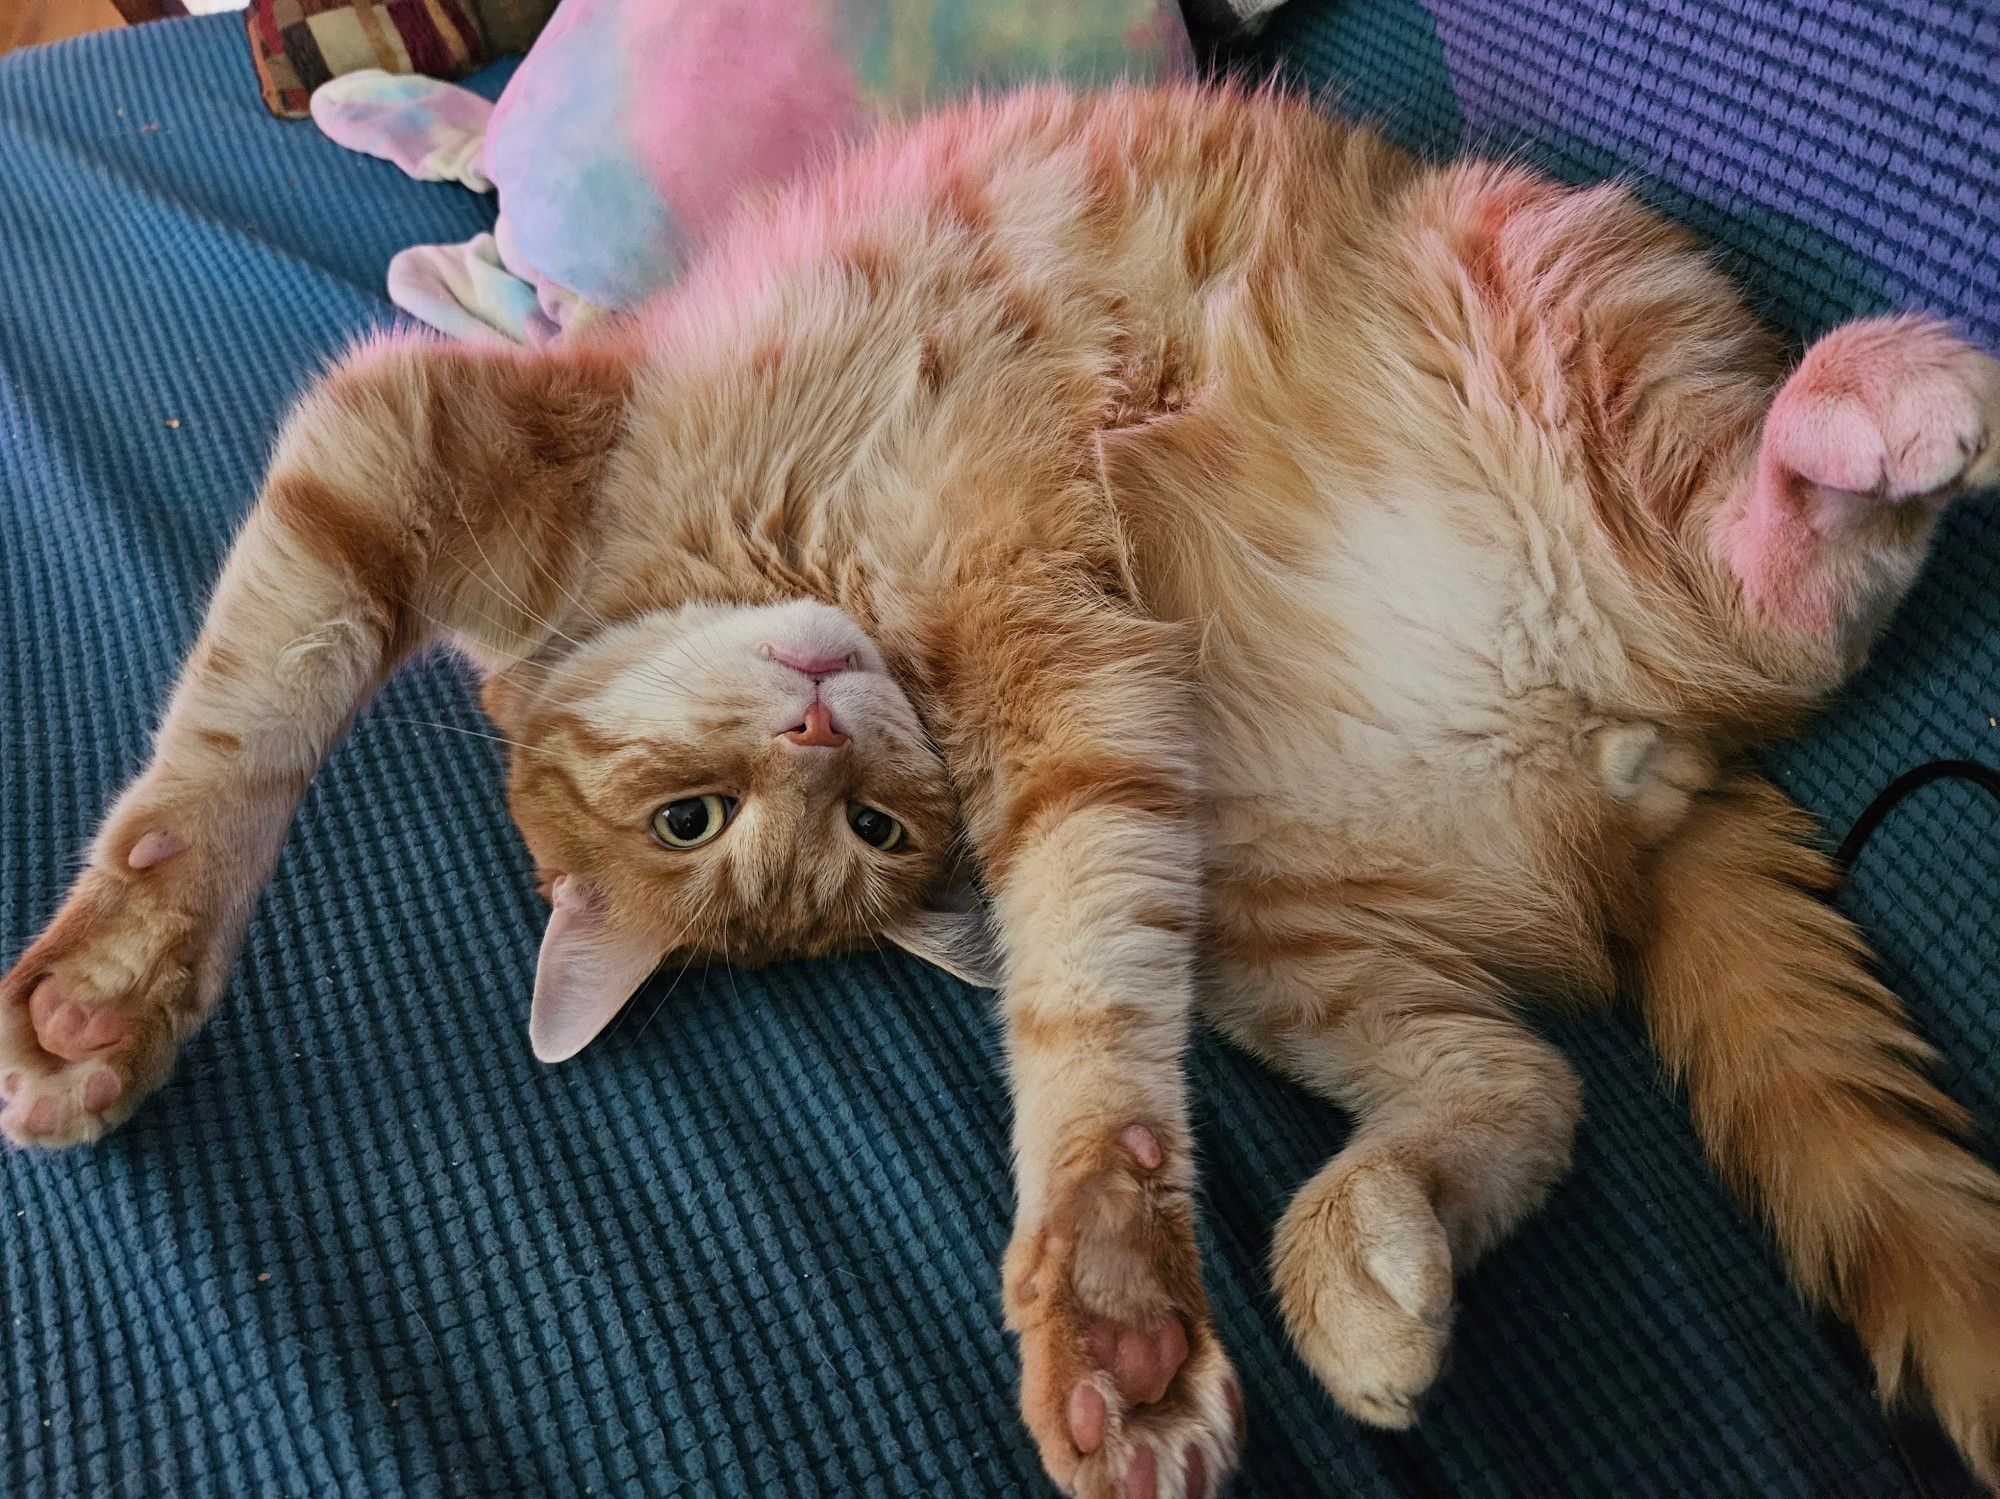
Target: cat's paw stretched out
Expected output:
[1123,1382]
[94,1012]
[1888,410]
[1883,423]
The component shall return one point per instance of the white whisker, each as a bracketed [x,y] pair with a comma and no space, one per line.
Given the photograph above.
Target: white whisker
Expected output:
[500,581]
[427,723]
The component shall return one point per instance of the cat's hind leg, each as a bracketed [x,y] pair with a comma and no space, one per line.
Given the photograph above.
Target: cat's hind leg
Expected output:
[1463,1123]
[1883,423]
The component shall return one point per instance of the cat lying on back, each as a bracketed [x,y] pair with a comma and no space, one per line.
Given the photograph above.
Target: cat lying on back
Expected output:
[1330,591]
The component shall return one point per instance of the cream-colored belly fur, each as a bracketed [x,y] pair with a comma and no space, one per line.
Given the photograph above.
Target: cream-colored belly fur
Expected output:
[1425,698]
[1300,577]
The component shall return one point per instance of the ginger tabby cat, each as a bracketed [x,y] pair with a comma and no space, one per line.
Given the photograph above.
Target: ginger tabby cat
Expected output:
[1330,592]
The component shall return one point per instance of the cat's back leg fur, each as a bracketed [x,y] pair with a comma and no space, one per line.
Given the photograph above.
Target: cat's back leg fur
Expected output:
[1369,835]
[1463,1122]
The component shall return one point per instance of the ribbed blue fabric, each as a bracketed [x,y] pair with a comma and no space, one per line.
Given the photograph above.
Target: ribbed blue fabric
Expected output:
[362,1244]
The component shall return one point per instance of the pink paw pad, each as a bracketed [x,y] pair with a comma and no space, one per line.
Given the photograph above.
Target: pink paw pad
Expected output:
[1142,1361]
[68,1029]
[1196,1469]
[155,847]
[1087,1415]
[1142,1478]
[100,1090]
[1143,1144]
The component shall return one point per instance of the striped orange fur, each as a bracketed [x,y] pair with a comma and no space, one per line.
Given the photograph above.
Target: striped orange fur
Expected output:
[1330,591]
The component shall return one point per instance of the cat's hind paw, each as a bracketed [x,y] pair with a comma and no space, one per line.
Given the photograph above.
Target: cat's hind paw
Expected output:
[92,1015]
[1887,410]
[1883,423]
[1363,1274]
[1124,1384]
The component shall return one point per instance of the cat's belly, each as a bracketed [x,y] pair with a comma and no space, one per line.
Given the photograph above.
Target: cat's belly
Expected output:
[1405,742]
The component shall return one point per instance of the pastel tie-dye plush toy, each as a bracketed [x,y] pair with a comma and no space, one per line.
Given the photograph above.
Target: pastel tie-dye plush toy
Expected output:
[634,126]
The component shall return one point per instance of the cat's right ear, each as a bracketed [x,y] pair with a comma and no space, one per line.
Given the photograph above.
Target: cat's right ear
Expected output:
[955,933]
[587,972]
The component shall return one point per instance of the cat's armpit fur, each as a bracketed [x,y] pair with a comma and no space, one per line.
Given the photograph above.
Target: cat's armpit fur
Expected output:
[1332,591]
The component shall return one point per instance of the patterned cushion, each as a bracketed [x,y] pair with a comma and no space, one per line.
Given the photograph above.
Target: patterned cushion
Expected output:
[298,44]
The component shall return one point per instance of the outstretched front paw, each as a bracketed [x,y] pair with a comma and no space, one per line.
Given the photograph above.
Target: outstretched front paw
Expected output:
[93,1013]
[1123,1382]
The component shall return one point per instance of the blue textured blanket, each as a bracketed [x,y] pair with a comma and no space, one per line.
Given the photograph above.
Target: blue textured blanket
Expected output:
[363,1244]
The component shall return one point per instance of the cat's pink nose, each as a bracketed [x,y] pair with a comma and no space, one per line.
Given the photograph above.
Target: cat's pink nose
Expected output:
[818,731]
[814,664]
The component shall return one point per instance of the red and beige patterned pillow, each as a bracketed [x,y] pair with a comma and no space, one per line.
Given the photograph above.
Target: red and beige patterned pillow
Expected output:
[298,44]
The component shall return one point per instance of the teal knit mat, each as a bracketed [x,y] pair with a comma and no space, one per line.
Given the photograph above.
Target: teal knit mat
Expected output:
[362,1244]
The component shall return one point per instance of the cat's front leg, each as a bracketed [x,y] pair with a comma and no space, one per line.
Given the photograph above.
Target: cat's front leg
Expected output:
[1124,1384]
[1078,781]
[403,501]
[95,1010]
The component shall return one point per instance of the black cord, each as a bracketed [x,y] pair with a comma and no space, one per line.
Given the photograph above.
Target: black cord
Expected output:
[1983,776]
[1929,1461]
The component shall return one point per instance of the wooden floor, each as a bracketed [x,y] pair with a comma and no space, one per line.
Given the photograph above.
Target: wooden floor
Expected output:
[27,23]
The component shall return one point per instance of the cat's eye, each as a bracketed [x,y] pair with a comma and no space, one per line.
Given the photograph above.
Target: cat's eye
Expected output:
[877,829]
[693,820]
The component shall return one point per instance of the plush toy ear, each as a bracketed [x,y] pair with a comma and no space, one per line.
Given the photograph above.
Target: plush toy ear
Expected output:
[586,974]
[955,933]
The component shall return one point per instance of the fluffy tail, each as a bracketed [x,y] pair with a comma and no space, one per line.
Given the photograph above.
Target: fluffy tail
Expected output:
[1805,1085]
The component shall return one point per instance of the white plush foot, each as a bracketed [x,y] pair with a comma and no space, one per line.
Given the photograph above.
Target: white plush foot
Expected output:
[1363,1275]
[92,1015]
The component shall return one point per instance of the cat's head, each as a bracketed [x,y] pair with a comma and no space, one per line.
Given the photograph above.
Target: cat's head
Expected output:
[733,783]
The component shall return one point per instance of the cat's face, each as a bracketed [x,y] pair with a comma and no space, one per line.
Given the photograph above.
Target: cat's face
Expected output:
[726,782]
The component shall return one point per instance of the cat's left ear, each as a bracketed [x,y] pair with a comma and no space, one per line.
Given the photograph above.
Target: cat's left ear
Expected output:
[586,974]
[955,933]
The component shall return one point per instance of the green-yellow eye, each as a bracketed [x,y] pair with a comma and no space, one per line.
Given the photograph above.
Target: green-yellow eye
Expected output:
[878,829]
[693,820]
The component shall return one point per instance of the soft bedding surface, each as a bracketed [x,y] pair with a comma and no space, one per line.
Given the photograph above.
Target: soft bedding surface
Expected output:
[363,1244]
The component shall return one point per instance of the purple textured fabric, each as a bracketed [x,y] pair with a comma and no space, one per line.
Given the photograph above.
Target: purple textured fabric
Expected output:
[1851,147]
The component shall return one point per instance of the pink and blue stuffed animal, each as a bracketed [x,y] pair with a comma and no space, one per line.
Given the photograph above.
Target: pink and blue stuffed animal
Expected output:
[633,127]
